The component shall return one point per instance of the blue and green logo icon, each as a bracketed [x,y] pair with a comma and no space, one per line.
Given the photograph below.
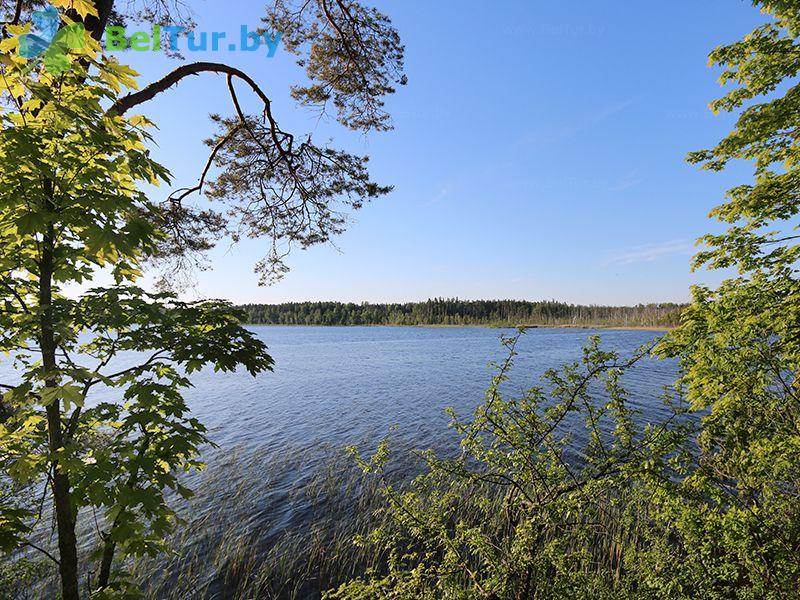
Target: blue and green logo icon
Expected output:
[48,42]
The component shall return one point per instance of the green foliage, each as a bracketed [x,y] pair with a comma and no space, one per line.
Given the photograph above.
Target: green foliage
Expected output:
[357,58]
[740,344]
[69,204]
[18,578]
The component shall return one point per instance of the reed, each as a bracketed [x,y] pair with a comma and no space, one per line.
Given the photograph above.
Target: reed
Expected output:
[235,551]
[242,545]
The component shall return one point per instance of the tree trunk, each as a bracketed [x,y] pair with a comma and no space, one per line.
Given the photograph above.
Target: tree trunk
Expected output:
[110,546]
[65,520]
[105,566]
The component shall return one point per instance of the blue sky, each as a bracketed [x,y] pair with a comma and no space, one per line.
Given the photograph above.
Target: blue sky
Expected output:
[538,152]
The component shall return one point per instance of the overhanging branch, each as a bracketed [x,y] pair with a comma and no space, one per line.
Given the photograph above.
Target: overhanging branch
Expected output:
[130,101]
[276,187]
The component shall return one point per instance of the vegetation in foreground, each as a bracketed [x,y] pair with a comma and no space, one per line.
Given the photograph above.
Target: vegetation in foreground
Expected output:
[452,311]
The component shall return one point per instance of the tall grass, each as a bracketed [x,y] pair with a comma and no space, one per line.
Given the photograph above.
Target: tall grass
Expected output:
[242,542]
[252,533]
[241,546]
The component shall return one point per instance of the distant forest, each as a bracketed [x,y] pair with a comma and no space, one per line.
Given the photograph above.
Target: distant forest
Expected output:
[442,311]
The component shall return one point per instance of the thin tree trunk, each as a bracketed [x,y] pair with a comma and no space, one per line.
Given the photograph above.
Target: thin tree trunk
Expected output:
[65,521]
[110,546]
[105,565]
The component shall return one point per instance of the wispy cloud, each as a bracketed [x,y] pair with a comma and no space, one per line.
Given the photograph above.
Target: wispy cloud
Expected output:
[650,252]
[610,111]
[537,140]
[443,193]
[582,122]
[541,139]
[630,180]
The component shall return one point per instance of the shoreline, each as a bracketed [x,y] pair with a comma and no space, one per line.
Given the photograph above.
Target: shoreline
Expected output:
[662,328]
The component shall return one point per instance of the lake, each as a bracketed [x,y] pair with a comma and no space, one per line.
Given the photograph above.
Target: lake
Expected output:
[335,386]
[338,386]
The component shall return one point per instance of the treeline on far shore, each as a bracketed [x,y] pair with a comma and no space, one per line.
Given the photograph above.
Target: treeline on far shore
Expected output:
[442,311]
